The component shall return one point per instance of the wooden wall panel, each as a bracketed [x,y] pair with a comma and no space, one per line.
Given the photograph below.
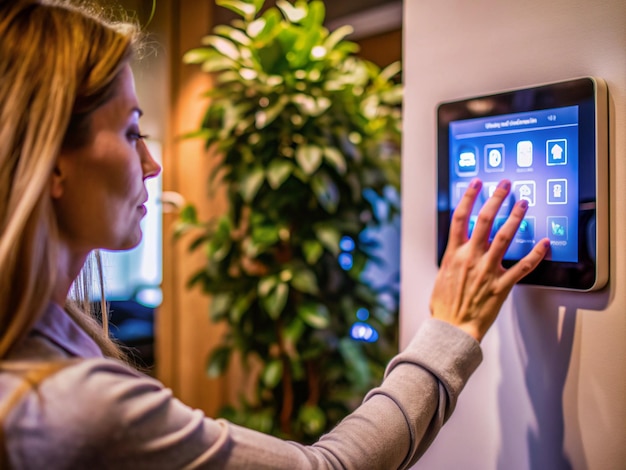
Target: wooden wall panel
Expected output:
[185,334]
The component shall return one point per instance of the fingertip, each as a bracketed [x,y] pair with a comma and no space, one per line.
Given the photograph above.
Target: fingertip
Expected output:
[505,184]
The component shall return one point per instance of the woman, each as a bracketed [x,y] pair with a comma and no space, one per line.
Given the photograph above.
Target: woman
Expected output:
[72,171]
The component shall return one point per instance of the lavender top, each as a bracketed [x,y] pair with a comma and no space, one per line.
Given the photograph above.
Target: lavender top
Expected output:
[98,413]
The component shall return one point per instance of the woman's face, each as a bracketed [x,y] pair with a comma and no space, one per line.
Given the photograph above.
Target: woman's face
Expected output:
[98,189]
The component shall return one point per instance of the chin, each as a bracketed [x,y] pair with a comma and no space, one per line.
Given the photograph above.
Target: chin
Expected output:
[129,243]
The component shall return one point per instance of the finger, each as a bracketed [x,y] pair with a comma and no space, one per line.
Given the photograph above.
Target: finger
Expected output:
[461,215]
[506,233]
[487,214]
[526,264]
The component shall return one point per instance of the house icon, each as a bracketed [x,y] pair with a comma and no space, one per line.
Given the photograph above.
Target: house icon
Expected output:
[556,152]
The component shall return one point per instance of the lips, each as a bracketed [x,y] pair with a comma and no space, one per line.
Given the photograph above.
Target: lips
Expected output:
[142,206]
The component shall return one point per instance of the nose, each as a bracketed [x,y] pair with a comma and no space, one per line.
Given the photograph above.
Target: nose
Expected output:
[149,165]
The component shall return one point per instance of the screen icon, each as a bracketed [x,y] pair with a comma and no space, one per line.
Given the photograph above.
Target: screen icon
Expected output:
[556,152]
[526,230]
[525,190]
[459,191]
[467,162]
[489,187]
[471,224]
[497,225]
[557,228]
[557,191]
[524,154]
[494,157]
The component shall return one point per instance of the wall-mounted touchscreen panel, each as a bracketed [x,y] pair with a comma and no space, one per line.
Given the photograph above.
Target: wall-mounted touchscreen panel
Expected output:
[551,143]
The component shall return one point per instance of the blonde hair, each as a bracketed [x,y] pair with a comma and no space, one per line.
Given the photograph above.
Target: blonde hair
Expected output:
[59,63]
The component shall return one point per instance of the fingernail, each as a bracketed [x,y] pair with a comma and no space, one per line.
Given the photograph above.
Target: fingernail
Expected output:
[546,243]
[504,185]
[523,204]
[475,184]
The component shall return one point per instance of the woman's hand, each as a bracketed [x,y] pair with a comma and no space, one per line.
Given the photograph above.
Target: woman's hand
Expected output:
[472,284]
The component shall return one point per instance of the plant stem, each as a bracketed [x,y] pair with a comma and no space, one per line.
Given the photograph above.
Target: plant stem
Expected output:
[314,384]
[287,405]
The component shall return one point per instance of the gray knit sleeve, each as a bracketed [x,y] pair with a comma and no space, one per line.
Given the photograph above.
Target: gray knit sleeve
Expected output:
[449,356]
[100,414]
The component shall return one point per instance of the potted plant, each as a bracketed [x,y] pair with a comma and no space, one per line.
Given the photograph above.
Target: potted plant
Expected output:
[308,135]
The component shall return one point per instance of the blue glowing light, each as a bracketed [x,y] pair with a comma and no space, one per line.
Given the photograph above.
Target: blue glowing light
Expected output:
[363,332]
[345,261]
[362,314]
[347,244]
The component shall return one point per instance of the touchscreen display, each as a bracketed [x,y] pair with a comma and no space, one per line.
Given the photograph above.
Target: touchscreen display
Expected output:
[538,152]
[551,142]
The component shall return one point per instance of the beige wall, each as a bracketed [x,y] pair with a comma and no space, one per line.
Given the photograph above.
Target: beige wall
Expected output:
[551,392]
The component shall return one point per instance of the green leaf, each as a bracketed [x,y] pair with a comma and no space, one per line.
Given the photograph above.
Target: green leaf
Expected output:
[266,116]
[312,419]
[265,234]
[273,26]
[275,302]
[328,236]
[218,361]
[261,421]
[251,183]
[358,370]
[221,242]
[233,34]
[337,36]
[198,56]
[217,64]
[256,27]
[315,16]
[189,214]
[314,315]
[294,330]
[326,192]
[305,281]
[272,373]
[240,307]
[312,250]
[310,106]
[220,305]
[390,71]
[309,158]
[244,9]
[218,249]
[224,46]
[266,285]
[293,14]
[278,171]
[336,159]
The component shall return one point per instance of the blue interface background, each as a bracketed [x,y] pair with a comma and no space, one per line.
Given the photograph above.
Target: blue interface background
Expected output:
[538,152]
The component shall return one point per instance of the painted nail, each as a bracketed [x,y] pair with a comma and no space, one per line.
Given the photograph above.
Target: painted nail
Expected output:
[475,184]
[523,204]
[504,185]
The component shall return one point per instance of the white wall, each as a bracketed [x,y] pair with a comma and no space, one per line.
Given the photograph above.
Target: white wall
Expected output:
[551,392]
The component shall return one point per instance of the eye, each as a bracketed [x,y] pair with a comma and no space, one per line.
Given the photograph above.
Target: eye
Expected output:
[134,135]
[138,136]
